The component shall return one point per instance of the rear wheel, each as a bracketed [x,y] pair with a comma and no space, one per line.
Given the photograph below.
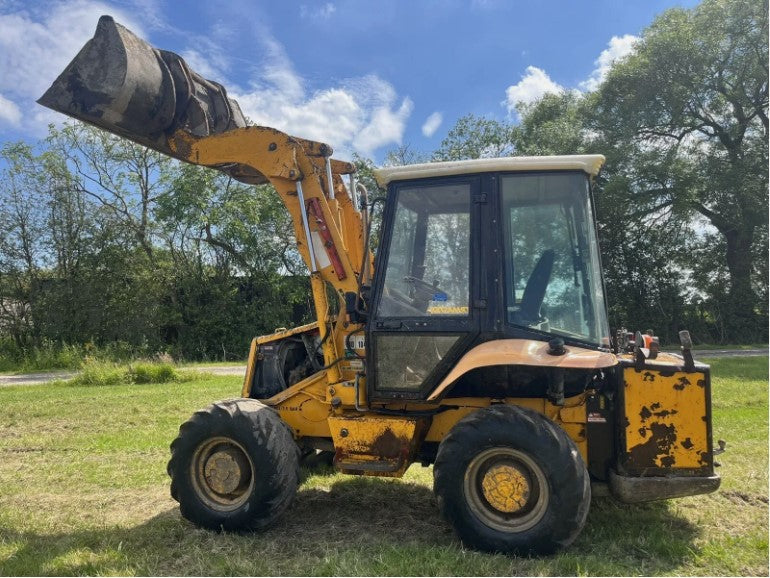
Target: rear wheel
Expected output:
[234,466]
[510,480]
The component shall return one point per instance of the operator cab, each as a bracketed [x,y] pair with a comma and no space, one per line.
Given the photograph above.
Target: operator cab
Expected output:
[479,250]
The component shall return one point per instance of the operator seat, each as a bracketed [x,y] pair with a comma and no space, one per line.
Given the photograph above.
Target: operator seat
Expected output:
[534,292]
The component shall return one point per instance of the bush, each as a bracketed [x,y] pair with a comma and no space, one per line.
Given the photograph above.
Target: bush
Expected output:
[48,355]
[152,373]
[98,372]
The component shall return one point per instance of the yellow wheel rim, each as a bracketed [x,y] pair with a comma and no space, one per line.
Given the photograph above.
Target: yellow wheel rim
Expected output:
[506,489]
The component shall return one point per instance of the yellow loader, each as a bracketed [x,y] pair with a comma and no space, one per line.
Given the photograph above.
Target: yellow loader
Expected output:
[476,340]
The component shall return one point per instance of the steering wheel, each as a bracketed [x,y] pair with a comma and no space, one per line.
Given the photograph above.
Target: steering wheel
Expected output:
[423,289]
[395,303]
[534,292]
[423,292]
[398,296]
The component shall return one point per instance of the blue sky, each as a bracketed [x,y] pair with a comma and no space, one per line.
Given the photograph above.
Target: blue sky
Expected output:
[361,76]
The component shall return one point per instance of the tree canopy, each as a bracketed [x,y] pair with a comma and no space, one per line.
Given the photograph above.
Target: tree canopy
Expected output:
[686,117]
[102,240]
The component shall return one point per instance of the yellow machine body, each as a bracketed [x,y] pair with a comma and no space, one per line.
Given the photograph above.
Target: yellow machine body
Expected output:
[668,417]
[641,422]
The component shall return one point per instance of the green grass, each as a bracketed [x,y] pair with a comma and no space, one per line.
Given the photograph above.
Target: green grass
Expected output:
[718,347]
[83,490]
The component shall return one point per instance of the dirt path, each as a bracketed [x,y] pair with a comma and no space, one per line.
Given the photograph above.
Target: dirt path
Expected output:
[48,376]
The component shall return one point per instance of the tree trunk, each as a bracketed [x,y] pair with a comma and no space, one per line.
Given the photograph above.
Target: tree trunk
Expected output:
[742,320]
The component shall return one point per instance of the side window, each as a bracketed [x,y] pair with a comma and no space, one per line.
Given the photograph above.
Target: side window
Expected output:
[553,274]
[428,268]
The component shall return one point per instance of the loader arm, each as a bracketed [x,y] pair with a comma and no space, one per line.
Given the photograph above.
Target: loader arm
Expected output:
[123,85]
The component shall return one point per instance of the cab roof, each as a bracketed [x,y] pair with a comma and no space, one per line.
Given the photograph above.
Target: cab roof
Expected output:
[590,164]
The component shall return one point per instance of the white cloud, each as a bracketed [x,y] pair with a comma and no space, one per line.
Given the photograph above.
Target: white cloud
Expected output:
[533,85]
[313,12]
[9,112]
[617,48]
[360,114]
[385,126]
[431,124]
[207,59]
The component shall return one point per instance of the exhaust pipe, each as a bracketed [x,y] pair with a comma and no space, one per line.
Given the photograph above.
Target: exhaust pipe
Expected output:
[119,83]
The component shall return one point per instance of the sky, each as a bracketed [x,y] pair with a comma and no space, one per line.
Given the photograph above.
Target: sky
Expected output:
[364,77]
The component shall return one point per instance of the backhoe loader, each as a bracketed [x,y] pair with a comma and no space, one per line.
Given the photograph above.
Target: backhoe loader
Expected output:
[476,341]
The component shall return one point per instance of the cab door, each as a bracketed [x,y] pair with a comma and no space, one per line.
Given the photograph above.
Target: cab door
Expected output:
[425,299]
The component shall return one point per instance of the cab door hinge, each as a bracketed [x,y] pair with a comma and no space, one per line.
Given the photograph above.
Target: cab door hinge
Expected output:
[480,198]
[480,304]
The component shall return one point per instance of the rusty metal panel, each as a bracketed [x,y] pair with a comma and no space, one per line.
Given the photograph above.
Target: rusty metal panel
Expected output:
[667,419]
[380,446]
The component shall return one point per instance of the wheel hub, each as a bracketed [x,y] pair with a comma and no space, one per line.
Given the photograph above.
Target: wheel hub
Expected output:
[222,474]
[506,488]
[222,471]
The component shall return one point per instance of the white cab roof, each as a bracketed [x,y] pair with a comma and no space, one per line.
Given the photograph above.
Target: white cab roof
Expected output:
[590,164]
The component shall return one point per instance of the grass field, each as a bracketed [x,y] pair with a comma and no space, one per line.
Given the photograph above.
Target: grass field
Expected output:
[83,490]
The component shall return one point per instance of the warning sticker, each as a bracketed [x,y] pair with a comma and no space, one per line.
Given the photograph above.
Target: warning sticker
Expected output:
[353,365]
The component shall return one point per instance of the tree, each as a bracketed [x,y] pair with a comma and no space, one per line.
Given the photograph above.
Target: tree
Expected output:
[687,113]
[474,137]
[404,154]
[555,124]
[124,177]
[22,234]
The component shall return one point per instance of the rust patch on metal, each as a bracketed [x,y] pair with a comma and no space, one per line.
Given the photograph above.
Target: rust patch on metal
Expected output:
[648,376]
[661,442]
[687,444]
[645,414]
[682,383]
[389,445]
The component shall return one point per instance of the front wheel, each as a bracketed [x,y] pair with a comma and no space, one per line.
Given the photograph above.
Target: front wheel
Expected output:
[510,480]
[234,466]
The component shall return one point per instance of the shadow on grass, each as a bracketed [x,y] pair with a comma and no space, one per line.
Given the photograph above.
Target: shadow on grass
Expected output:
[359,526]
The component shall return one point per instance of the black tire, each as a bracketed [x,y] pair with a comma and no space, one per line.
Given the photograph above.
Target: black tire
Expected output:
[234,466]
[510,480]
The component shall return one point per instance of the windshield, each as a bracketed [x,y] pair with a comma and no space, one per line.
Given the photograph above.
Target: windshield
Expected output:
[553,280]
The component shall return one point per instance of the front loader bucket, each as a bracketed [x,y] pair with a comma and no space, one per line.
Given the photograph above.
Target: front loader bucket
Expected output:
[120,83]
